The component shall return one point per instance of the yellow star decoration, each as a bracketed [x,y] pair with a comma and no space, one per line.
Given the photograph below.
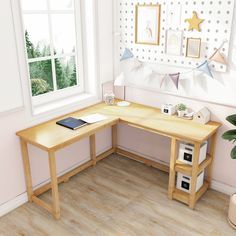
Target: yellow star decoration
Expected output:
[194,22]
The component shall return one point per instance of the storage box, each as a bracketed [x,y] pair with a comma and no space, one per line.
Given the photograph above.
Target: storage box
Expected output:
[186,153]
[184,182]
[168,109]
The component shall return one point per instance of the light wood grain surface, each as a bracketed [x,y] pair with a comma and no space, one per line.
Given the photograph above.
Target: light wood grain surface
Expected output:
[51,136]
[120,197]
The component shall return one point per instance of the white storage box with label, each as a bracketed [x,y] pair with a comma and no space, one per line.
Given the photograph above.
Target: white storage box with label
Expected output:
[186,153]
[168,109]
[184,182]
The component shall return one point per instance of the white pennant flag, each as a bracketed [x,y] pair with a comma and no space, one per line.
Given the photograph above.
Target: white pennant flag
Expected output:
[163,80]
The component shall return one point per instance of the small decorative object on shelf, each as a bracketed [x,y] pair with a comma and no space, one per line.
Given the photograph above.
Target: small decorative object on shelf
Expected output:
[184,182]
[202,116]
[109,98]
[181,109]
[186,153]
[168,109]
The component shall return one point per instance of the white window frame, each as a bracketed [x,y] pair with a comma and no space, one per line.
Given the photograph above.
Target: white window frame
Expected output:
[91,72]
[78,54]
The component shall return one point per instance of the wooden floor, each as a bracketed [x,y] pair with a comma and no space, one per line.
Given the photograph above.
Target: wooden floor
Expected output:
[120,197]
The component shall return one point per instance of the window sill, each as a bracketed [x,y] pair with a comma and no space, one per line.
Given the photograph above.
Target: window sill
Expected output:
[66,105]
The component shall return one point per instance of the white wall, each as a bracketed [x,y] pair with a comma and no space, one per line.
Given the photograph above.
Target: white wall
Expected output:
[12,182]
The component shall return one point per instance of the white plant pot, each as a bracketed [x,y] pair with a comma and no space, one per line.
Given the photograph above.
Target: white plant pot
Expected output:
[232,211]
[181,113]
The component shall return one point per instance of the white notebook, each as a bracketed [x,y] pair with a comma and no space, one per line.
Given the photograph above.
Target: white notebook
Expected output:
[93,118]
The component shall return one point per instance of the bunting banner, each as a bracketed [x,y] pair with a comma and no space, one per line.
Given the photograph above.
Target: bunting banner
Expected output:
[175,79]
[127,55]
[204,67]
[136,65]
[218,57]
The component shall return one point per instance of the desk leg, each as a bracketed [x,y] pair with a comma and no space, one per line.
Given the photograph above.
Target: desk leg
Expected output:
[114,137]
[28,177]
[212,154]
[54,185]
[172,168]
[92,142]
[192,197]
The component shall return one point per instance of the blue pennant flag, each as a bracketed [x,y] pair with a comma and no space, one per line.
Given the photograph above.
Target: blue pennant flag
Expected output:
[204,67]
[127,54]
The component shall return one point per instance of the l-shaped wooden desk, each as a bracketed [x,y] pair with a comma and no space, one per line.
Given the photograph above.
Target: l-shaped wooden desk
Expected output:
[51,137]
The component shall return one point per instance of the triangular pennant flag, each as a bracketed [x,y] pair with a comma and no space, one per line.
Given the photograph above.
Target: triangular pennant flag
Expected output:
[175,79]
[152,76]
[218,57]
[204,67]
[163,80]
[137,65]
[127,54]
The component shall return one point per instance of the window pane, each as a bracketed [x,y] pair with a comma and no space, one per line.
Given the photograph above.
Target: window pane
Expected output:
[61,4]
[65,72]
[41,77]
[34,4]
[63,27]
[37,35]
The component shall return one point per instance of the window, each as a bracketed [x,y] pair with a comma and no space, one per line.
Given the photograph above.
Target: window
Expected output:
[53,43]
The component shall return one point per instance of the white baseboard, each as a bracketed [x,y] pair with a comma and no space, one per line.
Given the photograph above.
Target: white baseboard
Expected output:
[222,187]
[13,204]
[23,198]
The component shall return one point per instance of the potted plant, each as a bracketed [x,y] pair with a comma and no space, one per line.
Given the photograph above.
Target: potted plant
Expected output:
[230,135]
[181,109]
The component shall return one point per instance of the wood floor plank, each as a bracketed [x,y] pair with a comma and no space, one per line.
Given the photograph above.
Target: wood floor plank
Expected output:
[120,197]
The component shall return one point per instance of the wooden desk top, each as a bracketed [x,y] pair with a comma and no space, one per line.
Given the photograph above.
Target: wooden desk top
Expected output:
[49,135]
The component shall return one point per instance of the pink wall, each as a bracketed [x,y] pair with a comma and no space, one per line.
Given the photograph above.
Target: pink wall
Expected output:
[156,147]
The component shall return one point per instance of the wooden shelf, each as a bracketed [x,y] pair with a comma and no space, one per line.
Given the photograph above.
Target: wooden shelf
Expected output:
[184,197]
[187,169]
[202,190]
[181,196]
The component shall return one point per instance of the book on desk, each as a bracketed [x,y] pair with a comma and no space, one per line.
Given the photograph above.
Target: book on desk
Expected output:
[74,123]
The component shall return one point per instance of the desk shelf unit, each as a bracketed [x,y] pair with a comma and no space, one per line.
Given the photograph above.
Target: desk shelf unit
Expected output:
[192,171]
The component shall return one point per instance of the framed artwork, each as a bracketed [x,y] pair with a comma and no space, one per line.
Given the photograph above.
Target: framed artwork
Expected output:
[174,14]
[193,47]
[147,25]
[174,41]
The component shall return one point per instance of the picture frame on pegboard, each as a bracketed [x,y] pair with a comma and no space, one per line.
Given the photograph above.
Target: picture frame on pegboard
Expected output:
[147,24]
[193,47]
[174,42]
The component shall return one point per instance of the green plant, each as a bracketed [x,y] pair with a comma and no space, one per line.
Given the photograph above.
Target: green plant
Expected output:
[181,107]
[230,135]
[39,86]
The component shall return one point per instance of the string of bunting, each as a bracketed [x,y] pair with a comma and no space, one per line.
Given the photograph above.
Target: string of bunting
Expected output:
[175,77]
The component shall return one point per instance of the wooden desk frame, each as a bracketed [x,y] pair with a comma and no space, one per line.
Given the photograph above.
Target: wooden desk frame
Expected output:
[174,166]
[54,209]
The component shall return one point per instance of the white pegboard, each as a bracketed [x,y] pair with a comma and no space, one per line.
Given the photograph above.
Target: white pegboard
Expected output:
[216,28]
